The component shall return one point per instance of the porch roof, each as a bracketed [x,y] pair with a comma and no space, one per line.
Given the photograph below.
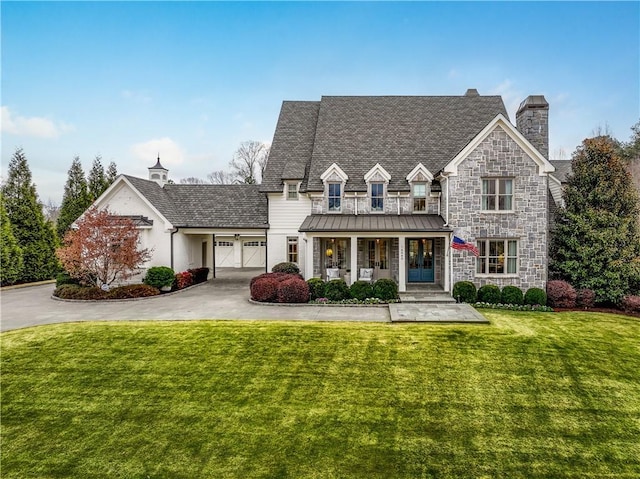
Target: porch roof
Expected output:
[374,223]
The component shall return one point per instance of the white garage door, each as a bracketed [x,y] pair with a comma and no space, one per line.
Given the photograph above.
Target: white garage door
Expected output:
[224,254]
[254,254]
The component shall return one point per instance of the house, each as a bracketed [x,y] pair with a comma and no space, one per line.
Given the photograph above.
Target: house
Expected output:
[369,188]
[379,186]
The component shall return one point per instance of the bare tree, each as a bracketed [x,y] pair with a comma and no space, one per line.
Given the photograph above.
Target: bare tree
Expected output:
[192,180]
[247,160]
[262,162]
[51,211]
[220,177]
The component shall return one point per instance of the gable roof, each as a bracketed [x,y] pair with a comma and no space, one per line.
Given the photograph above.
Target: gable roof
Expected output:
[396,131]
[206,206]
[563,168]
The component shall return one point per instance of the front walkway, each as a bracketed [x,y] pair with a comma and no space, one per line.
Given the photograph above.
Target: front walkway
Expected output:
[226,297]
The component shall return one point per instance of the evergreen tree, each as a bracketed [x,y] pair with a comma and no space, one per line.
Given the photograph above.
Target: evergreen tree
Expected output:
[75,199]
[111,174]
[97,180]
[596,241]
[10,251]
[27,222]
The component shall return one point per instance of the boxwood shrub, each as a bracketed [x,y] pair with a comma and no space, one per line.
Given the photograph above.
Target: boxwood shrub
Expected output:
[561,294]
[200,275]
[489,293]
[385,289]
[286,267]
[293,290]
[465,292]
[316,288]
[336,290]
[511,295]
[535,296]
[361,290]
[159,277]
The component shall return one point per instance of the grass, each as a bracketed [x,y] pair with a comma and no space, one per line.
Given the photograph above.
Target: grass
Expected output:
[534,395]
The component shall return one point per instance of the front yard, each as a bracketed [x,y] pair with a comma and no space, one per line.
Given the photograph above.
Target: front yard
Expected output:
[534,395]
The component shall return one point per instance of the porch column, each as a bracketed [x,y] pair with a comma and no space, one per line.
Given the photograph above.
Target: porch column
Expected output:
[354,258]
[308,256]
[402,265]
[447,263]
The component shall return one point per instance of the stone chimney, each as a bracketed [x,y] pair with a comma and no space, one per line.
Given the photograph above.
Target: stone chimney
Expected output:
[532,119]
[158,173]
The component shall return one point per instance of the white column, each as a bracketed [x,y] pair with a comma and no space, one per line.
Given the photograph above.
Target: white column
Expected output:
[308,256]
[402,265]
[447,263]
[237,253]
[354,258]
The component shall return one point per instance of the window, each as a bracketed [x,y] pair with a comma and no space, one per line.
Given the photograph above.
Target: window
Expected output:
[497,257]
[292,249]
[335,196]
[497,194]
[377,196]
[224,243]
[419,197]
[292,191]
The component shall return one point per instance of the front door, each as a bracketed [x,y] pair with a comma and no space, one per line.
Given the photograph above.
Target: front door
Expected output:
[378,257]
[421,260]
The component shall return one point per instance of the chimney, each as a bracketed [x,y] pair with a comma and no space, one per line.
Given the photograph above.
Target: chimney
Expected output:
[472,92]
[158,173]
[532,119]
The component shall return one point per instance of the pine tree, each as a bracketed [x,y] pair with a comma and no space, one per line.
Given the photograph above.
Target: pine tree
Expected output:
[27,221]
[111,174]
[97,180]
[596,241]
[10,251]
[75,199]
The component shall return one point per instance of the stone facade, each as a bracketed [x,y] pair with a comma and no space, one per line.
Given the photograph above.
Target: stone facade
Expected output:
[498,156]
[392,203]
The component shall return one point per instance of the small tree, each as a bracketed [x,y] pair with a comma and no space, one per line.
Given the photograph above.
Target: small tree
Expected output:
[97,180]
[111,174]
[76,198]
[102,249]
[10,251]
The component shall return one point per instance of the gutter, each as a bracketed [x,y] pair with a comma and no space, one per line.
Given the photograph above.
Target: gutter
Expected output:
[175,230]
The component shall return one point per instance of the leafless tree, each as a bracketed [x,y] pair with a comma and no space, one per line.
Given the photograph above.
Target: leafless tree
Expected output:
[248,160]
[192,180]
[51,211]
[220,177]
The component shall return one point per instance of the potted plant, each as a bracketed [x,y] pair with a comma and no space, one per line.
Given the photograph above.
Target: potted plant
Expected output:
[161,277]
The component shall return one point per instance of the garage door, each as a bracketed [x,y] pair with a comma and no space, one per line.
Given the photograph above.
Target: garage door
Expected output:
[254,254]
[224,254]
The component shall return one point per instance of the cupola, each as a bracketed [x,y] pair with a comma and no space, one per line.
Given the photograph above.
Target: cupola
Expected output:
[158,173]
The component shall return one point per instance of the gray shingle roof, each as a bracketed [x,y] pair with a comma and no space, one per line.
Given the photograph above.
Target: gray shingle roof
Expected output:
[563,168]
[370,223]
[357,132]
[207,206]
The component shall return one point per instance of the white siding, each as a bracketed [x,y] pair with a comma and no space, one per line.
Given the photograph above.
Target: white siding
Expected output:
[285,217]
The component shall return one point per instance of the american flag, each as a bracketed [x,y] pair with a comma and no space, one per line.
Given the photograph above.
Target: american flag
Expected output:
[459,243]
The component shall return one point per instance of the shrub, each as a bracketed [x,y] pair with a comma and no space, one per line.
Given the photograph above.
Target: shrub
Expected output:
[630,304]
[385,289]
[316,288]
[336,290]
[535,296]
[200,275]
[264,290]
[184,280]
[159,277]
[511,295]
[561,294]
[290,268]
[361,290]
[74,291]
[585,298]
[65,278]
[489,293]
[293,290]
[132,291]
[465,292]
[277,276]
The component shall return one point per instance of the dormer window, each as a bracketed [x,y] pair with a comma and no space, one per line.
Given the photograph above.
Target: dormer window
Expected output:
[335,197]
[292,191]
[377,197]
[419,193]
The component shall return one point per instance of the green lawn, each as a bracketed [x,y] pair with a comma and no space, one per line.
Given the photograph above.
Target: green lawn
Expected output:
[532,395]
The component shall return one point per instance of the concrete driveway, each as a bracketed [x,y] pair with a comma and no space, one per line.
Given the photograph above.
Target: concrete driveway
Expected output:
[226,297]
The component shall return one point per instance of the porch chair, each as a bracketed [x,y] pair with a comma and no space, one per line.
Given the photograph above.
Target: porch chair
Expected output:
[366,274]
[333,273]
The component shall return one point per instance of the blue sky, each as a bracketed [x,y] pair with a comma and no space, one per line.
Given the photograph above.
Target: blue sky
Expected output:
[191,80]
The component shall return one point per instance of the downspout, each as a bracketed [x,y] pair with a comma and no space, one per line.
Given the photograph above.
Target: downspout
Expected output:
[446,203]
[213,239]
[266,252]
[175,230]
[356,200]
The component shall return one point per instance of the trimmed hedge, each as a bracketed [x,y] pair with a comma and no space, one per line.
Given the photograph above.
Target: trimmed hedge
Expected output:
[184,280]
[293,290]
[361,290]
[489,293]
[200,275]
[159,277]
[561,294]
[511,295]
[132,291]
[385,289]
[630,304]
[535,296]
[336,290]
[72,291]
[286,267]
[585,298]
[465,292]
[316,288]
[264,290]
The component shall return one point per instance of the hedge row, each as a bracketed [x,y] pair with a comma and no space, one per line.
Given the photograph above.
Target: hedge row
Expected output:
[279,288]
[337,290]
[74,291]
[465,292]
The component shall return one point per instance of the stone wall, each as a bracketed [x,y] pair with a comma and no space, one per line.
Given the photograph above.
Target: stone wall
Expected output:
[499,156]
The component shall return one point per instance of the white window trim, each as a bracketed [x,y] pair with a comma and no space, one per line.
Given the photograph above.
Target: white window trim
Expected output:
[384,195]
[496,180]
[288,184]
[293,240]
[427,191]
[498,275]
[339,210]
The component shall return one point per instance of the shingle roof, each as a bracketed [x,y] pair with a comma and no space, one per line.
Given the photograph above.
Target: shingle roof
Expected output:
[207,206]
[357,132]
[563,168]
[370,223]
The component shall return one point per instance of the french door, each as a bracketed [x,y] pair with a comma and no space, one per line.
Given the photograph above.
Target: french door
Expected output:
[377,258]
[421,260]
